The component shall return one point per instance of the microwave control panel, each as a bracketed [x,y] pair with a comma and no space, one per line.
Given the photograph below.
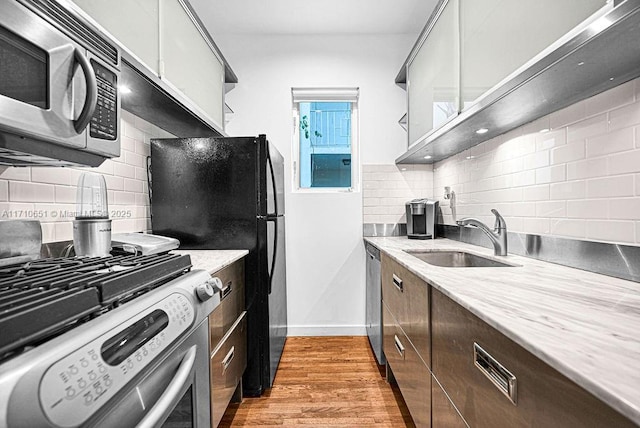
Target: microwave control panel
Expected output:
[104,124]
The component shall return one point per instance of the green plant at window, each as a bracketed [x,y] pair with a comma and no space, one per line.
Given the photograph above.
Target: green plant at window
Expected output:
[306,128]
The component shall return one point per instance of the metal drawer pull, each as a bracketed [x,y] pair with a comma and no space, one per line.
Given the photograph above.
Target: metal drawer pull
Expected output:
[228,358]
[502,378]
[398,283]
[225,290]
[399,346]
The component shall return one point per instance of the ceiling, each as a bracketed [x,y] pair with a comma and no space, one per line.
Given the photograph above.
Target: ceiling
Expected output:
[323,17]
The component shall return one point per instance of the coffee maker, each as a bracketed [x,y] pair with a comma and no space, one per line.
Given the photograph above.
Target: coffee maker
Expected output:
[421,218]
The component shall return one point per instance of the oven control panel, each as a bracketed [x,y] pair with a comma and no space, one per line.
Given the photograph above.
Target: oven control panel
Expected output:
[73,388]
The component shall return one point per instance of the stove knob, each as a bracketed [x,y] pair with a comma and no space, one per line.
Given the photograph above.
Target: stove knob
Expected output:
[208,289]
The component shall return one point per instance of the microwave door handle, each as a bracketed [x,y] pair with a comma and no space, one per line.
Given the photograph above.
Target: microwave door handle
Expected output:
[172,393]
[91,99]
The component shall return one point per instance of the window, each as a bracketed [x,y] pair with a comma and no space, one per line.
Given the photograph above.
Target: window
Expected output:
[325,139]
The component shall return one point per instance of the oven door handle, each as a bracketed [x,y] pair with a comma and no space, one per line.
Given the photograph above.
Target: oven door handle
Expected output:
[170,397]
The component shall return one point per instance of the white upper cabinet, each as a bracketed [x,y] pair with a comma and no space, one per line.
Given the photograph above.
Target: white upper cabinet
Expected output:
[189,63]
[133,22]
[433,83]
[499,36]
[470,47]
[167,38]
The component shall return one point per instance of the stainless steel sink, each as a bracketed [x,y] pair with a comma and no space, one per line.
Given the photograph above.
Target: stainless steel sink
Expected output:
[455,259]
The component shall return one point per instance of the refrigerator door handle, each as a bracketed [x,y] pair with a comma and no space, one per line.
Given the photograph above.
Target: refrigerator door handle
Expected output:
[273,219]
[273,185]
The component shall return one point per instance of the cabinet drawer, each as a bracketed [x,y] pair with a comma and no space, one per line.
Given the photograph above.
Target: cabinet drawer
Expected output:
[443,413]
[412,375]
[226,369]
[232,302]
[407,298]
[544,397]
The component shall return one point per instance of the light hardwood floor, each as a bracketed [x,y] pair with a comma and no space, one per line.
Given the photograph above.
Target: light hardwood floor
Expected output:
[324,381]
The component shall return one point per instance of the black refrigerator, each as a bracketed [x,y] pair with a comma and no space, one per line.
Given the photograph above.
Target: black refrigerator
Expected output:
[228,193]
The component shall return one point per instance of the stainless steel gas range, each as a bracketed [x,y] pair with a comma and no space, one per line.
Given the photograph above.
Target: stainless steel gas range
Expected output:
[112,342]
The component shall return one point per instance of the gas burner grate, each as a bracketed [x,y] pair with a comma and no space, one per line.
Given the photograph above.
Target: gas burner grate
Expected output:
[42,297]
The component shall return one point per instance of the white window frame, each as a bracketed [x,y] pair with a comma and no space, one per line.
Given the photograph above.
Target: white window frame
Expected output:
[299,95]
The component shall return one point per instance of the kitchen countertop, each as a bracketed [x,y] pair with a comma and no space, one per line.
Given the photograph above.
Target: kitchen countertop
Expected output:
[583,324]
[212,260]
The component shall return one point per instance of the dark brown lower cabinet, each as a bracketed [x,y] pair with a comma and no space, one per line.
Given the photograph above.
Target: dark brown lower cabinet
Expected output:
[543,396]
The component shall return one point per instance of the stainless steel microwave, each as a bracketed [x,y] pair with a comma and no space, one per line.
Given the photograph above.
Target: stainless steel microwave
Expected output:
[59,100]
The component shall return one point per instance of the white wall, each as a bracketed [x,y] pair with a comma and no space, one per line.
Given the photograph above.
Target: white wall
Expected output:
[325,254]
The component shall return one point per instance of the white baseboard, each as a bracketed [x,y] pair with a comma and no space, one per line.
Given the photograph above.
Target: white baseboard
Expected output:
[326,330]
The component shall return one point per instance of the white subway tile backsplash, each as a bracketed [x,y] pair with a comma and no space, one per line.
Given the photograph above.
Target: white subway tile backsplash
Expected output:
[127,144]
[549,209]
[386,188]
[124,198]
[123,225]
[570,228]
[51,191]
[550,174]
[65,194]
[568,190]
[122,170]
[625,209]
[15,174]
[48,232]
[625,117]
[131,131]
[537,160]
[134,159]
[141,174]
[617,141]
[568,115]
[114,182]
[371,202]
[4,190]
[588,209]
[626,162]
[588,168]
[551,139]
[143,149]
[20,191]
[67,176]
[567,153]
[536,226]
[522,209]
[536,193]
[591,127]
[608,187]
[617,231]
[133,185]
[142,199]
[619,96]
[63,231]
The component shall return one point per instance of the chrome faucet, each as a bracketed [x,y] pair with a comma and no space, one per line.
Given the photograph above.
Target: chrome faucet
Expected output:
[498,235]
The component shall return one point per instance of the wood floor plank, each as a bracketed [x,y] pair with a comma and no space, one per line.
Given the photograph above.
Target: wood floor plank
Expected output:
[324,382]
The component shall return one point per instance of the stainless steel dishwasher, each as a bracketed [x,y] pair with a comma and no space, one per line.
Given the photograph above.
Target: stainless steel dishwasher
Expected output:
[373,314]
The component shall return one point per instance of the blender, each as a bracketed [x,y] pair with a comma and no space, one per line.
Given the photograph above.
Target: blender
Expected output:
[92,226]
